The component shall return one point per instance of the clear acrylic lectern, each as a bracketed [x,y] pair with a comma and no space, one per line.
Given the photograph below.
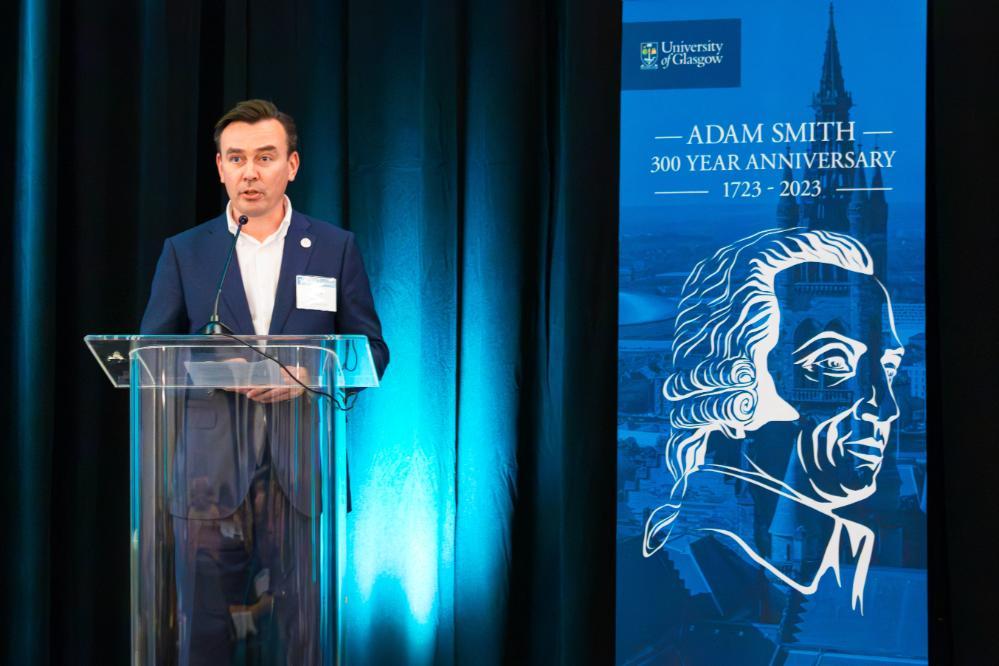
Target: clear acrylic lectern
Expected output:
[238,494]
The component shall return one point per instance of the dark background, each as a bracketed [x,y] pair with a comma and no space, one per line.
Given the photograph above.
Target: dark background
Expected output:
[121,157]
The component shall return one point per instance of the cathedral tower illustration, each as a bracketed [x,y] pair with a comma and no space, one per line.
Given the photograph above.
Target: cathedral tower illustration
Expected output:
[815,297]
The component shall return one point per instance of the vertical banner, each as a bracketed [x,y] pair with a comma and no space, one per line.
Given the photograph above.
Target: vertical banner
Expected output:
[771,359]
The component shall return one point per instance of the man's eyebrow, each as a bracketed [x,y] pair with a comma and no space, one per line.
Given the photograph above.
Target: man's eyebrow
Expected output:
[825,335]
[261,149]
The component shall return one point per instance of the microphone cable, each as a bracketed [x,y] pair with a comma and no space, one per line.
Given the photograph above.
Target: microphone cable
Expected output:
[216,327]
[347,404]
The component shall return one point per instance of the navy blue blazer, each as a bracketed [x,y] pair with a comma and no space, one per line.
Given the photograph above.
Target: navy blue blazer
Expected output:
[183,288]
[181,299]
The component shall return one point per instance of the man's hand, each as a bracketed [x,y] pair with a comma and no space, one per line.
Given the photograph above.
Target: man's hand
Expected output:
[280,393]
[276,393]
[245,618]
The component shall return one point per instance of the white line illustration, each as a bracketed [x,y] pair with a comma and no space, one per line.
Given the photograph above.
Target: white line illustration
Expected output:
[722,389]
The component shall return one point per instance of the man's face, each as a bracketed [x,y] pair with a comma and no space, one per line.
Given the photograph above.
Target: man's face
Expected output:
[840,449]
[254,164]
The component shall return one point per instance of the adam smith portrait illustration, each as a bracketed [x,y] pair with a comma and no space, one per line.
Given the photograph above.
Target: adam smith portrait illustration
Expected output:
[722,389]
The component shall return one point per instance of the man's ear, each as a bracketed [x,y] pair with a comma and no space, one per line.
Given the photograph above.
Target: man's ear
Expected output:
[218,165]
[293,163]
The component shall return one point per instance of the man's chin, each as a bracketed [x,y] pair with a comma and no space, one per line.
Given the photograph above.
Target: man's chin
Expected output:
[856,489]
[859,490]
[867,475]
[255,208]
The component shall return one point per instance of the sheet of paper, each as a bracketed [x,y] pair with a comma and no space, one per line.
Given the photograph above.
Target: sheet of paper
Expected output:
[234,374]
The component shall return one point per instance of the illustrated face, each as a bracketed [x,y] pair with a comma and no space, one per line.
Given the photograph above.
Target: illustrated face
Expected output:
[840,452]
[255,166]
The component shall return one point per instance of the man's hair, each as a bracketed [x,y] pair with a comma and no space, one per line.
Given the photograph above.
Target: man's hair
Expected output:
[725,312]
[253,111]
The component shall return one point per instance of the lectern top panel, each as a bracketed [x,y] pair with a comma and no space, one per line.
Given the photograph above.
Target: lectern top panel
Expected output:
[210,361]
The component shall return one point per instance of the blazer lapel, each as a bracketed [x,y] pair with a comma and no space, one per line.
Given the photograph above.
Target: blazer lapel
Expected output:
[293,262]
[233,292]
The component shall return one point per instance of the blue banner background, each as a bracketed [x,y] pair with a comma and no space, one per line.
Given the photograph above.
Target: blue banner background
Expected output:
[700,600]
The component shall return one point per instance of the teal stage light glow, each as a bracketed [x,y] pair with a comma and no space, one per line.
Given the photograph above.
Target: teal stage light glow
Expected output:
[400,533]
[33,237]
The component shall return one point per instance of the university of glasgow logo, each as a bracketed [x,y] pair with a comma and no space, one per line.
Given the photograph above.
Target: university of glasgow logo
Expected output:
[683,54]
[650,55]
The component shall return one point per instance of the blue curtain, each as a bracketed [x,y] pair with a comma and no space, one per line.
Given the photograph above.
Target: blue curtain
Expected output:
[472,148]
[30,363]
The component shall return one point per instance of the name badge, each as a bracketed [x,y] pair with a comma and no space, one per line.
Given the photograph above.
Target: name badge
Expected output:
[313,292]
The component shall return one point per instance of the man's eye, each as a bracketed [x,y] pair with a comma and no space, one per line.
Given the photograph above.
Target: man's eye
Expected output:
[234,159]
[834,366]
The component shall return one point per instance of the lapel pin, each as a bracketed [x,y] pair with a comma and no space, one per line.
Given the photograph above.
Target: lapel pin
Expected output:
[306,242]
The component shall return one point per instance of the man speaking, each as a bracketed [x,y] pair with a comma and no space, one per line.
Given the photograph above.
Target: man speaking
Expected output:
[240,495]
[257,157]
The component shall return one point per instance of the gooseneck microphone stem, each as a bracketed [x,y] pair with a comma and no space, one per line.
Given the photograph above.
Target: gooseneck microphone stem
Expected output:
[214,325]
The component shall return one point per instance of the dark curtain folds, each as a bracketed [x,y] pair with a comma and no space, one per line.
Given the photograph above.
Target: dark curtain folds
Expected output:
[472,148]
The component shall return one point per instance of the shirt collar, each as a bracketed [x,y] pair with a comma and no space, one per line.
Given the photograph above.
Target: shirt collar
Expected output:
[281,232]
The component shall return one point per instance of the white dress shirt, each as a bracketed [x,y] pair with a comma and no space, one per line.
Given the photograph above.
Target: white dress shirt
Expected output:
[260,266]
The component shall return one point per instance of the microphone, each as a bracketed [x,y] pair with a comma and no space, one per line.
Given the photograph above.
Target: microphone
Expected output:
[214,325]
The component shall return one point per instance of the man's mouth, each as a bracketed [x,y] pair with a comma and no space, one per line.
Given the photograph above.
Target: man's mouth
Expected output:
[868,450]
[252,194]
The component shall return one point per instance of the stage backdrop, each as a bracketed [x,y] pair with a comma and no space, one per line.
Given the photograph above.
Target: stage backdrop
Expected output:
[471,147]
[772,349]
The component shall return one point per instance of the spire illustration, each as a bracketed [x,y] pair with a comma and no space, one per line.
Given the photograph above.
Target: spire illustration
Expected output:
[878,195]
[832,101]
[790,521]
[858,201]
[876,223]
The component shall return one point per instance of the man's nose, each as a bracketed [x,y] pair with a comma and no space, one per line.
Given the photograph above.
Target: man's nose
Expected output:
[250,171]
[879,405]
